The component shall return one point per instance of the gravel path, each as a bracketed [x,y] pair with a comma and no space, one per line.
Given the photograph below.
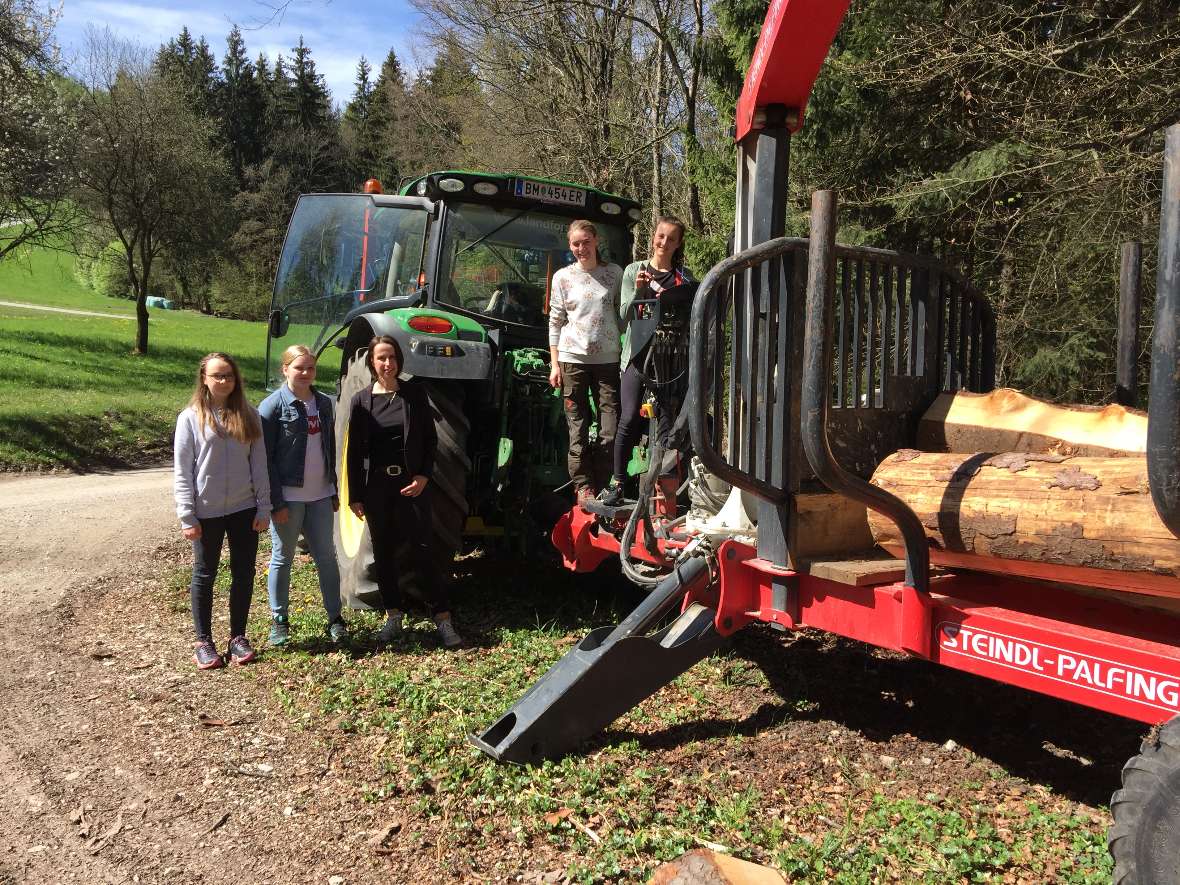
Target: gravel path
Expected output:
[118,761]
[80,313]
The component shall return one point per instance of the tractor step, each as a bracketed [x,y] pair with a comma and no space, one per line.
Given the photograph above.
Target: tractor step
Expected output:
[610,671]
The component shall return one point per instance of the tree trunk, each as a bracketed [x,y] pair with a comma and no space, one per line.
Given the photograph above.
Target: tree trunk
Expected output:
[1006,420]
[141,320]
[1086,521]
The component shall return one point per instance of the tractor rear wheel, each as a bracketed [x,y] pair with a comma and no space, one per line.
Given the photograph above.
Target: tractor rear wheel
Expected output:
[354,547]
[1145,839]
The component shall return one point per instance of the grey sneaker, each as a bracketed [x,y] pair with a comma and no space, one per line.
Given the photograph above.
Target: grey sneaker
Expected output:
[338,632]
[280,630]
[240,651]
[205,656]
[448,634]
[394,627]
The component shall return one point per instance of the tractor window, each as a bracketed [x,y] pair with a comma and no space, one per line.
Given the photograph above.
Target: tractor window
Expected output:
[341,251]
[499,262]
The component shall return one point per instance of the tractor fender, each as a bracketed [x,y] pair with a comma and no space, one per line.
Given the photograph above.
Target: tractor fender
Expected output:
[426,356]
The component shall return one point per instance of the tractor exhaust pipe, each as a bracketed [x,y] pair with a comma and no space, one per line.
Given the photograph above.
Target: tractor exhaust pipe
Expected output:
[606,674]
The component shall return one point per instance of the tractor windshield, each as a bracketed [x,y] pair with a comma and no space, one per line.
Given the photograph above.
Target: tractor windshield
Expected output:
[341,251]
[500,262]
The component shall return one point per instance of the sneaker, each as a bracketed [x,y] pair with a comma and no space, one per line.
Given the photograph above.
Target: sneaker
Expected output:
[448,634]
[280,630]
[206,657]
[612,495]
[394,627]
[338,632]
[240,651]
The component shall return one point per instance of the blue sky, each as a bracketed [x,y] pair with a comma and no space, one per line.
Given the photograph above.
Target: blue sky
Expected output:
[339,32]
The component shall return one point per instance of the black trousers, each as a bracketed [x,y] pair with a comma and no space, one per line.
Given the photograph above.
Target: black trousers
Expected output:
[243,549]
[631,423]
[394,518]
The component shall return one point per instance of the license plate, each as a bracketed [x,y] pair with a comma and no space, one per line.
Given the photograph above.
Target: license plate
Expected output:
[550,193]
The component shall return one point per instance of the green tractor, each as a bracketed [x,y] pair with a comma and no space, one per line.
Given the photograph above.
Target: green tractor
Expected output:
[458,269]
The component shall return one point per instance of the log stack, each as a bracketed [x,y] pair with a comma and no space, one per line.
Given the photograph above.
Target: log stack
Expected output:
[1067,500]
[1006,420]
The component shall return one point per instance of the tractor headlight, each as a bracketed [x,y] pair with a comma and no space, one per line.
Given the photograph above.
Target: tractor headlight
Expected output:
[451,185]
[487,188]
[610,208]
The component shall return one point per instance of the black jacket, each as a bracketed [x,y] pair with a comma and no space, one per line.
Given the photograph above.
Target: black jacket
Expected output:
[421,441]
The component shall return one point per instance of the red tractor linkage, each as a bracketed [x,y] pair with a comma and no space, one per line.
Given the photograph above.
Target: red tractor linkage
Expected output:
[833,353]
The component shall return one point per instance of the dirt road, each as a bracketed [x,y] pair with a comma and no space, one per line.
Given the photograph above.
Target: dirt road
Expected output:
[118,762]
[24,305]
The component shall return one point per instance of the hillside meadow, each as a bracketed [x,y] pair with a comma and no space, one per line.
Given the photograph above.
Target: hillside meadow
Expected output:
[72,394]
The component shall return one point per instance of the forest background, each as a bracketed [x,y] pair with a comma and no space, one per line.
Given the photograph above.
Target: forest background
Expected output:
[1020,140]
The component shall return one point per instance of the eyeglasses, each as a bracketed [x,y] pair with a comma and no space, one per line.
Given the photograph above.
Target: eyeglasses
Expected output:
[220,377]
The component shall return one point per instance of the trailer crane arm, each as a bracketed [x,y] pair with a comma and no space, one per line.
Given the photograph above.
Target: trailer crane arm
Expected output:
[795,39]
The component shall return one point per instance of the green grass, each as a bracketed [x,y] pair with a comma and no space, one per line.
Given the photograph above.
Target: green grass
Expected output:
[45,277]
[713,760]
[73,395]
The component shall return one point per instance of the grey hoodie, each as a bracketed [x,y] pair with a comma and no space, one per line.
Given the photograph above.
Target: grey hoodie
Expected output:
[216,475]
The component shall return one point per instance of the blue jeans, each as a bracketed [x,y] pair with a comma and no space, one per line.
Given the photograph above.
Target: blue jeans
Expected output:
[314,519]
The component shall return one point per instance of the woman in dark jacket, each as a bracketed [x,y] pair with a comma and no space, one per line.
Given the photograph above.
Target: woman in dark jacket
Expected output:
[391,447]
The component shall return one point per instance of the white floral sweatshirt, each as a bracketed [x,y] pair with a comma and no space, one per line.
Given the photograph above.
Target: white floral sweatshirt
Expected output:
[584,314]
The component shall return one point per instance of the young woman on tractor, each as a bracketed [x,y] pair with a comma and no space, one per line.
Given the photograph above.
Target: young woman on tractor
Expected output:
[584,355]
[391,449]
[301,451]
[222,489]
[645,280]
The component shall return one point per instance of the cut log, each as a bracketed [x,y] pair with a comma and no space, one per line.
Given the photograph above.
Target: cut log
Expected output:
[1006,420]
[1073,520]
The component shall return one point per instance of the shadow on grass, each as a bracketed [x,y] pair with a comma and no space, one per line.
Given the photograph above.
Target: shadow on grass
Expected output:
[1075,751]
[163,365]
[501,592]
[111,440]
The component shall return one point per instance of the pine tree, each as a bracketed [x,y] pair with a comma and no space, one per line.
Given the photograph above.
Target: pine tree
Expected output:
[387,120]
[356,131]
[310,104]
[241,107]
[192,66]
[279,116]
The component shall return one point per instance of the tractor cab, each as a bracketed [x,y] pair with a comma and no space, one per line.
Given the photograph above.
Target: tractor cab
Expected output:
[344,253]
[475,246]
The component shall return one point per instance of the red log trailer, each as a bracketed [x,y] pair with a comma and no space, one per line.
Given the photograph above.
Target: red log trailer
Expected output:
[808,364]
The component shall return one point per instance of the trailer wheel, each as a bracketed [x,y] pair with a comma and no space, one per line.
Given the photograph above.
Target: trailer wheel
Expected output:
[354,547]
[1145,837]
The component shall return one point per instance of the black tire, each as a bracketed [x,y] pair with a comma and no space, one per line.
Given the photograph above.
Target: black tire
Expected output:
[451,468]
[354,547]
[1145,837]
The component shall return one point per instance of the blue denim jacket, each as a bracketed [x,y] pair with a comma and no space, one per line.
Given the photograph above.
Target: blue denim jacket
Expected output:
[284,429]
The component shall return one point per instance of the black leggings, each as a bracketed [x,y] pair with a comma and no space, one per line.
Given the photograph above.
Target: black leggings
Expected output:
[392,517]
[243,548]
[631,423]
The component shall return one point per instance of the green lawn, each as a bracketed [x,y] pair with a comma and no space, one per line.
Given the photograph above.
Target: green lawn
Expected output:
[46,277]
[73,395]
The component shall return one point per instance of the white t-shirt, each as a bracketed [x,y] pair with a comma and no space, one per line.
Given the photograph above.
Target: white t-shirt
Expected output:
[315,476]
